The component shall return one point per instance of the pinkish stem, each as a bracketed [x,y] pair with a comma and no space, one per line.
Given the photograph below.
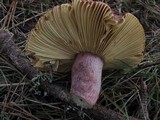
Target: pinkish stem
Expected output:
[86,79]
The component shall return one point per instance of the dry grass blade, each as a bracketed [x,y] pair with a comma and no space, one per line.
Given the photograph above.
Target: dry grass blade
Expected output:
[10,14]
[13,84]
[15,110]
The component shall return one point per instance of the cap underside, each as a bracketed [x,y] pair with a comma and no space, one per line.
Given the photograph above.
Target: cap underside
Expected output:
[86,26]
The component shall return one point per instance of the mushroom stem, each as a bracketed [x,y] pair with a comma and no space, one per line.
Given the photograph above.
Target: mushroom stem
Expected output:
[86,79]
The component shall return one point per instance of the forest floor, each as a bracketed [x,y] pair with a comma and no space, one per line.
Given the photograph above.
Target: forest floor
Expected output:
[122,91]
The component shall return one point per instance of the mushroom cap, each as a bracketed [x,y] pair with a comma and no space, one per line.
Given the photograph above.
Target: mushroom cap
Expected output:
[86,26]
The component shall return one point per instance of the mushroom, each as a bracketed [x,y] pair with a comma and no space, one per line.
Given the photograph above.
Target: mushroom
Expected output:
[86,37]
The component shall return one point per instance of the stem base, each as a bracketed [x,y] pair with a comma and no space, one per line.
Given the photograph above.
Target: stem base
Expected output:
[86,79]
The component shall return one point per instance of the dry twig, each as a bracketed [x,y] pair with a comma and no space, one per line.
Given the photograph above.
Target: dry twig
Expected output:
[144,101]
